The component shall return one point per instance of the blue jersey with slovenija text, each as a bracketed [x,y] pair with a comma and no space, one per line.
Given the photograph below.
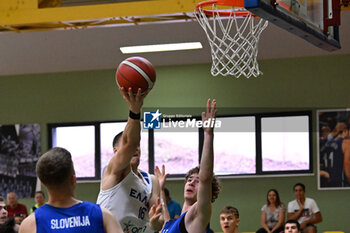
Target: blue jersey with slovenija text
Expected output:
[84,217]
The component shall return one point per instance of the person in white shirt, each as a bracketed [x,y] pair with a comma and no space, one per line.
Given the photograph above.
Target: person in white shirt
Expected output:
[304,210]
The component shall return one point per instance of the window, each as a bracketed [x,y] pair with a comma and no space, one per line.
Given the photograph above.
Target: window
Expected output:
[255,144]
[176,150]
[285,143]
[80,142]
[235,147]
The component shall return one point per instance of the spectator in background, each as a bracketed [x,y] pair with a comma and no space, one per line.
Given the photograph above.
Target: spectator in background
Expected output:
[7,225]
[304,210]
[292,226]
[3,211]
[174,208]
[13,207]
[272,214]
[229,219]
[18,218]
[39,200]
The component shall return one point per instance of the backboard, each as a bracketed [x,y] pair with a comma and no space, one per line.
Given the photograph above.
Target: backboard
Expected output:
[316,21]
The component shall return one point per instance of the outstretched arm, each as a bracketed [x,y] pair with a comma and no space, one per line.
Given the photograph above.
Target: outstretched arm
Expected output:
[201,211]
[119,165]
[161,175]
[156,219]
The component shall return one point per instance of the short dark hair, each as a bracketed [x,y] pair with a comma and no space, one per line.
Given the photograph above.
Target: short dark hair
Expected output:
[116,139]
[215,184]
[55,167]
[41,192]
[278,201]
[231,210]
[299,184]
[293,221]
[2,199]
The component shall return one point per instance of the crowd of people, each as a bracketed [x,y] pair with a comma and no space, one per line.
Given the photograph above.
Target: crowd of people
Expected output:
[134,201]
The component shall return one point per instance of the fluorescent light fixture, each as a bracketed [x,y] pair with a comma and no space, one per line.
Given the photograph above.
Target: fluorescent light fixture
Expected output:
[161,47]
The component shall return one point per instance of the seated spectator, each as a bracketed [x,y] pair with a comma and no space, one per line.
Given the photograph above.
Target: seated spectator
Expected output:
[39,200]
[174,208]
[304,210]
[292,226]
[13,207]
[229,219]
[272,214]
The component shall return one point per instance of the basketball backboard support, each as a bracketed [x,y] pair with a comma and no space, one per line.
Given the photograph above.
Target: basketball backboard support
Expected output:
[316,21]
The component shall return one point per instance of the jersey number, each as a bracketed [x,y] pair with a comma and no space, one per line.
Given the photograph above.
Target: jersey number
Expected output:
[142,212]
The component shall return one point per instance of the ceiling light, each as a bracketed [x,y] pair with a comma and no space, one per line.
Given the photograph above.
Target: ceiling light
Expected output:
[161,47]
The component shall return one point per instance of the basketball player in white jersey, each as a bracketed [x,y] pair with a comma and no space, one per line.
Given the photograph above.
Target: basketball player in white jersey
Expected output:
[130,194]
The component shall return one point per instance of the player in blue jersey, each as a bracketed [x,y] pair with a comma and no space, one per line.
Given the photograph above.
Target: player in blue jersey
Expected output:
[201,187]
[63,212]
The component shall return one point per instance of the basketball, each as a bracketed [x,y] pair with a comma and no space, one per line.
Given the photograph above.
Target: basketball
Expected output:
[136,72]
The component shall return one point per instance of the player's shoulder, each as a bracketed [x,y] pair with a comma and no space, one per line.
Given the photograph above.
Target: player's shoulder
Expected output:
[28,225]
[149,178]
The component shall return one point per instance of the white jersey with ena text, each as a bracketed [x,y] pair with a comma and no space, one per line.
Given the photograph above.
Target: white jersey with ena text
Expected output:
[129,202]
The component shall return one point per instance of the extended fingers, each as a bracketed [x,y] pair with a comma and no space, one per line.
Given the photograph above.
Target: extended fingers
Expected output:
[208,105]
[158,207]
[163,171]
[157,171]
[126,93]
[213,108]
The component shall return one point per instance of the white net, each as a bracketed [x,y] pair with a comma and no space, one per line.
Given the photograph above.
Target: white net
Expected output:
[233,41]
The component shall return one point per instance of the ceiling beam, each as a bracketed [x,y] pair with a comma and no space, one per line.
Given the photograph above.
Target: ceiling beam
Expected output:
[23,12]
[36,15]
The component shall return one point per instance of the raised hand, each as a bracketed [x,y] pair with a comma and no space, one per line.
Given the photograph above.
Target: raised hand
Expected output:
[161,176]
[210,115]
[135,102]
[155,213]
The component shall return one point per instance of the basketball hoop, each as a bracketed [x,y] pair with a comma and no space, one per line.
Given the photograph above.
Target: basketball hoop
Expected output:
[233,37]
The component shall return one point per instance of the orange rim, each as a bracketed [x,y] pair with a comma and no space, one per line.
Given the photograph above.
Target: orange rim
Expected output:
[234,3]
